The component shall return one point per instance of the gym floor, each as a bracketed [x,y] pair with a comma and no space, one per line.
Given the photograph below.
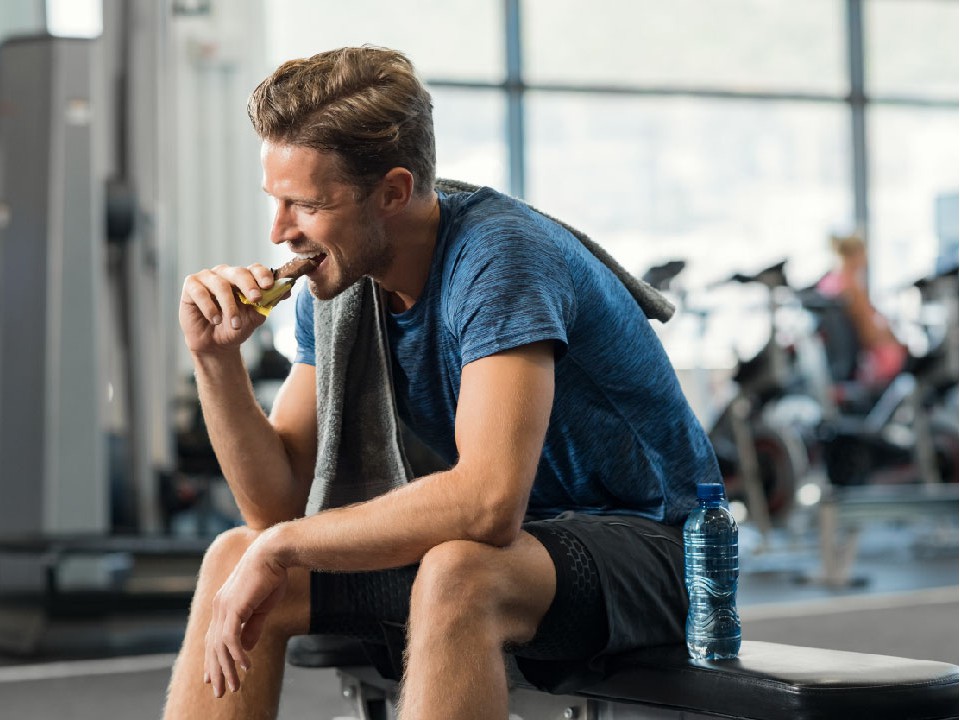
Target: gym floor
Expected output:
[903,601]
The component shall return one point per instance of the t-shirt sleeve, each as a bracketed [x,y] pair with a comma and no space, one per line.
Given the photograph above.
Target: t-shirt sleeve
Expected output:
[303,329]
[509,286]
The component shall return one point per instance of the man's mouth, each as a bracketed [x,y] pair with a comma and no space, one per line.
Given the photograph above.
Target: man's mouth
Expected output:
[303,264]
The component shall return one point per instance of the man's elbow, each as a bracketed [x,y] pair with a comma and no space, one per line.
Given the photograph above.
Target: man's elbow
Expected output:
[497,522]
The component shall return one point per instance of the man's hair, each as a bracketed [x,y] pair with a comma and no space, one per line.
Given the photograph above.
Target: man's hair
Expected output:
[364,104]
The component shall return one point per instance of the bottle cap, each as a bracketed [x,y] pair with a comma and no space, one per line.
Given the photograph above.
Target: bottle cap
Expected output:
[710,491]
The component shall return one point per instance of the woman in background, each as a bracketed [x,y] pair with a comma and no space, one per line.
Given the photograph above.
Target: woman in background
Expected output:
[882,356]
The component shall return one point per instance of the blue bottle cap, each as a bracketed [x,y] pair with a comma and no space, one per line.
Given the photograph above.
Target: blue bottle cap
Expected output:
[710,491]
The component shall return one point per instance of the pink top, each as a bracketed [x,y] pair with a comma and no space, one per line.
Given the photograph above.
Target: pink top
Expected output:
[884,360]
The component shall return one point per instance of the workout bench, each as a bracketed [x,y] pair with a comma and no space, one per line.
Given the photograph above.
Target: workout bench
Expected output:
[767,682]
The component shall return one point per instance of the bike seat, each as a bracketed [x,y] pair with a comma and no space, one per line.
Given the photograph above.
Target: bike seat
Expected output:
[772,277]
[660,276]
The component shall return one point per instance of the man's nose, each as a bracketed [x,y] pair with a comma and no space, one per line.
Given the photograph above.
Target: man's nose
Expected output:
[284,226]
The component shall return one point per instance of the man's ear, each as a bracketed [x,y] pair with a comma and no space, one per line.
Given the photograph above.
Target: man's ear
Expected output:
[396,190]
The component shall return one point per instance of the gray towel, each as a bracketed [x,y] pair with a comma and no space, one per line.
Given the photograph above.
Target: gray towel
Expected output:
[360,448]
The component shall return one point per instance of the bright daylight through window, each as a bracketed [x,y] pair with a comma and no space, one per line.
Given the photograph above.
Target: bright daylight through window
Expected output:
[723,134]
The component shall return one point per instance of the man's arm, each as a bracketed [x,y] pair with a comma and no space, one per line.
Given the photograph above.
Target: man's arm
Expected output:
[502,416]
[268,464]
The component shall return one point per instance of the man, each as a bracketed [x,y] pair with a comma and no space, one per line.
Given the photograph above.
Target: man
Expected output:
[518,358]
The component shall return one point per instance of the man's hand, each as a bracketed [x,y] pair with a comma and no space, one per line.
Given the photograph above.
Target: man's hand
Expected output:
[211,316]
[240,609]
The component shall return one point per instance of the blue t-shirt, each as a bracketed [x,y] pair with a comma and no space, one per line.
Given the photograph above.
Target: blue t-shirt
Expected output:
[622,437]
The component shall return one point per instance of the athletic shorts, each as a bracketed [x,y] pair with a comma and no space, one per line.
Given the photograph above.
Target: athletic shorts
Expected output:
[619,587]
[640,601]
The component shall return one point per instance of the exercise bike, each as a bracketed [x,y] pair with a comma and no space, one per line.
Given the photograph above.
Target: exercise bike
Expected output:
[762,435]
[762,455]
[904,431]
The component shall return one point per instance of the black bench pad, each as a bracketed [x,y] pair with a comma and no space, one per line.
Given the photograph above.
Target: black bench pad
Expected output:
[771,681]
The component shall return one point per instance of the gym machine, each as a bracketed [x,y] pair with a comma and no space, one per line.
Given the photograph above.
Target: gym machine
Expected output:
[79,570]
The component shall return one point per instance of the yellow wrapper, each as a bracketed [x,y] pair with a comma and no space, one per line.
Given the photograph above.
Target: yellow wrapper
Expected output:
[270,297]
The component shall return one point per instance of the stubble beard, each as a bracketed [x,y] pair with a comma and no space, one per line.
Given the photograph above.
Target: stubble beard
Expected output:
[374,255]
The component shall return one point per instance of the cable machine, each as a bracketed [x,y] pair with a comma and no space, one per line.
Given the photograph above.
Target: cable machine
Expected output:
[82,568]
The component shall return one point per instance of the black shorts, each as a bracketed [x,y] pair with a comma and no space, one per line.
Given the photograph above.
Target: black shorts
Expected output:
[619,587]
[638,598]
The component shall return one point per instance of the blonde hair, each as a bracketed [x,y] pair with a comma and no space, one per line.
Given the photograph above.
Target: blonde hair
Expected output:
[847,245]
[365,104]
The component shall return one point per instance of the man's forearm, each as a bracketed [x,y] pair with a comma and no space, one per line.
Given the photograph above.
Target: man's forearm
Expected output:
[252,457]
[395,529]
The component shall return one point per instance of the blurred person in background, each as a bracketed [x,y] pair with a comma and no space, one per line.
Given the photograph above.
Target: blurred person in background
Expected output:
[882,356]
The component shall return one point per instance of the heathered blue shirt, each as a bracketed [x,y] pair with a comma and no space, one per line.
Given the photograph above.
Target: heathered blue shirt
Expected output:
[622,438]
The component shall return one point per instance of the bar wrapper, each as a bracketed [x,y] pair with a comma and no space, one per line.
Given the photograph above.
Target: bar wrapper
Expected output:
[270,297]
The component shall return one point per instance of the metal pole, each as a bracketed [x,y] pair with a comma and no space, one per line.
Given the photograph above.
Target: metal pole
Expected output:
[858,113]
[515,92]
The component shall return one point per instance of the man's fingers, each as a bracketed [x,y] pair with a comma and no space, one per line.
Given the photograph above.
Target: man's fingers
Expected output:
[262,274]
[227,667]
[248,280]
[196,292]
[212,290]
[222,289]
[231,640]
[212,673]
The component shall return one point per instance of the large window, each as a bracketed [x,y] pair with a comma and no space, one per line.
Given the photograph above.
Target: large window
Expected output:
[717,183]
[729,134]
[911,75]
[741,45]
[451,39]
[913,163]
[911,49]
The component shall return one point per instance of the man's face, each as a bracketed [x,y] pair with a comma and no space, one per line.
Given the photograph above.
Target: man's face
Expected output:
[318,216]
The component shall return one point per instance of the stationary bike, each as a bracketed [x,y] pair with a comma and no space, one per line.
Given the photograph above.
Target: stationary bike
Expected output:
[762,449]
[906,429]
[761,458]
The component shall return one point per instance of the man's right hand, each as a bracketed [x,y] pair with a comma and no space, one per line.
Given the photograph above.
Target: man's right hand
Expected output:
[211,316]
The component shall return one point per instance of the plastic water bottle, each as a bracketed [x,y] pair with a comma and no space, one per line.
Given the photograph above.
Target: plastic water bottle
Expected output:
[711,569]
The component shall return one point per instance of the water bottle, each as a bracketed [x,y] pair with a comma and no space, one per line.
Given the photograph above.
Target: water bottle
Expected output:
[711,568]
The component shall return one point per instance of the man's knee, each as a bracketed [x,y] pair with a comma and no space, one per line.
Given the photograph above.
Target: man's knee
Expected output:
[290,617]
[457,579]
[226,550]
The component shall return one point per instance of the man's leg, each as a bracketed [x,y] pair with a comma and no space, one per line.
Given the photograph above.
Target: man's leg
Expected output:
[468,600]
[188,697]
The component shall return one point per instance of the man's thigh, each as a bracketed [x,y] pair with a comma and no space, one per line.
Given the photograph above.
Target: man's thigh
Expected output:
[627,568]
[606,584]
[293,612]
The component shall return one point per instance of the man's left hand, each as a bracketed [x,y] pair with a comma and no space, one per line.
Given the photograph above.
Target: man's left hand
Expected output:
[240,609]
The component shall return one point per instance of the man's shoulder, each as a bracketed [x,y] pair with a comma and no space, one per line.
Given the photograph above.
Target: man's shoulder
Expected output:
[490,221]
[480,203]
